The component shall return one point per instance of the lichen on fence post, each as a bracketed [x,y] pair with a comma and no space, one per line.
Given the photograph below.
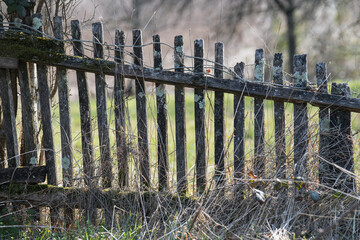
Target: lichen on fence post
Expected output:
[239,126]
[300,131]
[119,109]
[341,145]
[219,117]
[180,123]
[163,161]
[199,118]
[279,116]
[300,119]
[141,111]
[259,131]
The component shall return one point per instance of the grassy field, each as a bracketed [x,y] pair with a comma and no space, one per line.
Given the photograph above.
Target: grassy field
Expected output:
[190,128]
[221,215]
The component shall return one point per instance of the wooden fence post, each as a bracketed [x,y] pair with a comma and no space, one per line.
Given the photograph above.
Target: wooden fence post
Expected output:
[259,133]
[141,113]
[65,127]
[163,161]
[239,126]
[47,130]
[119,108]
[279,114]
[103,126]
[180,124]
[219,117]
[324,122]
[300,79]
[45,109]
[7,104]
[64,112]
[341,145]
[199,118]
[27,113]
[86,129]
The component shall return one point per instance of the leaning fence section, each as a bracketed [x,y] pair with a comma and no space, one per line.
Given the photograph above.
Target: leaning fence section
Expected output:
[334,116]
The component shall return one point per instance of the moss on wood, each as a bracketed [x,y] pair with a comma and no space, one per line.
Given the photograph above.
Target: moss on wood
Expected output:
[49,195]
[26,47]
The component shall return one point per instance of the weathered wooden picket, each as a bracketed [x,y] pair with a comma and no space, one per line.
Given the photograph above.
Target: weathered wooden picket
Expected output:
[18,50]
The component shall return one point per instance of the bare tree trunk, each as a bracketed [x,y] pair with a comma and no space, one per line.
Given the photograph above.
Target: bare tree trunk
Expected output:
[291,37]
[136,14]
[129,90]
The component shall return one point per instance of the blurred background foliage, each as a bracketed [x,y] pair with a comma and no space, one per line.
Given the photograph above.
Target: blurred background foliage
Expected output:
[326,30]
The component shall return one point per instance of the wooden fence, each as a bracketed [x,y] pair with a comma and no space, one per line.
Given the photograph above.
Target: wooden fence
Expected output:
[17,48]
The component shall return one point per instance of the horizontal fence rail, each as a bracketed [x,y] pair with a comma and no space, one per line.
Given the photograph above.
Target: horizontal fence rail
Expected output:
[247,88]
